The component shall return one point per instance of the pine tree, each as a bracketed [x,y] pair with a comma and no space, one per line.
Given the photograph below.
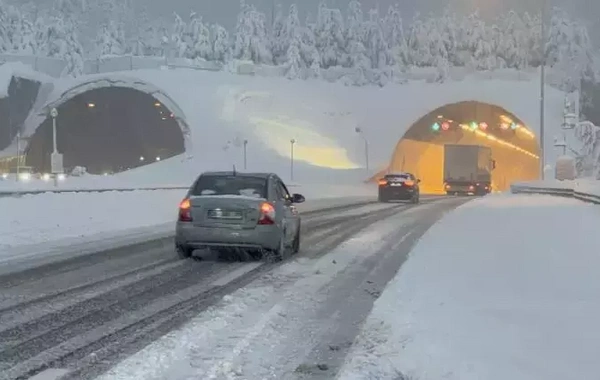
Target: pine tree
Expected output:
[110,41]
[221,47]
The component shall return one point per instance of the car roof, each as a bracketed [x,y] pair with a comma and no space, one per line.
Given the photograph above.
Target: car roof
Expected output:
[240,174]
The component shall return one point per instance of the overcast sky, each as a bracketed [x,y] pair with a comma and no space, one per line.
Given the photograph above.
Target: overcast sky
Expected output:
[225,11]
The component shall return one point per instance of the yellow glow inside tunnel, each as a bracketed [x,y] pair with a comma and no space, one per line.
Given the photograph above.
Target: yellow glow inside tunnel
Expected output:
[310,147]
[426,161]
[427,165]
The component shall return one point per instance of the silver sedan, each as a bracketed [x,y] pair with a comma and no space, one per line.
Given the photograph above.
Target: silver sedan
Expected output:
[253,212]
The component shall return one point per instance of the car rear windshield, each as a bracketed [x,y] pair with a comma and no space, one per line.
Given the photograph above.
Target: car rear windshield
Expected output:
[231,185]
[397,176]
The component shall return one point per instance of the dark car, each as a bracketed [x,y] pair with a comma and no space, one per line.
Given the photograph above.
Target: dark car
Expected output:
[251,212]
[400,187]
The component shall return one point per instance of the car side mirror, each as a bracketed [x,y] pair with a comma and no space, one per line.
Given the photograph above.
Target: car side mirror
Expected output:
[298,198]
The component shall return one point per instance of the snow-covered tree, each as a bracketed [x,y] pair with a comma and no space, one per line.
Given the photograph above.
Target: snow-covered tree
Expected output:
[110,40]
[329,36]
[177,42]
[568,49]
[588,162]
[294,60]
[393,32]
[374,41]
[250,40]
[197,39]
[221,46]
[419,53]
[278,41]
[60,41]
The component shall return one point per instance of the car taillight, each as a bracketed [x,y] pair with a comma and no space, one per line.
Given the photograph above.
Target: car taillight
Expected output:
[382,182]
[471,187]
[409,183]
[185,211]
[267,214]
[448,186]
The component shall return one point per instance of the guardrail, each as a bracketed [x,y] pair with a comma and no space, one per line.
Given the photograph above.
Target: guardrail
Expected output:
[556,191]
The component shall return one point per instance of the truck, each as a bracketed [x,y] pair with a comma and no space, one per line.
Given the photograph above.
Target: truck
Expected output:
[468,169]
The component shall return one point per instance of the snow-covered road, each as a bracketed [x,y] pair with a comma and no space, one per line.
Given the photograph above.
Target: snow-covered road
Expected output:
[297,321]
[79,317]
[505,287]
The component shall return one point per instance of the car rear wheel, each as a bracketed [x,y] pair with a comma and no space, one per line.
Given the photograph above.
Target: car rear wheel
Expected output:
[280,253]
[296,244]
[183,252]
[382,199]
[414,199]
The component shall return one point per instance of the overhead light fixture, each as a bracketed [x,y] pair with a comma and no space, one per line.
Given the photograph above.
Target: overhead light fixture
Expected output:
[91,105]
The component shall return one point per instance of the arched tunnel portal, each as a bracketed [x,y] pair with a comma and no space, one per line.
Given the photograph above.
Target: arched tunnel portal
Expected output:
[515,149]
[108,130]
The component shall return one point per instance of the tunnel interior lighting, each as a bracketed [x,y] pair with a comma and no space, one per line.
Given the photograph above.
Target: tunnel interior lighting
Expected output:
[157,104]
[91,105]
[499,141]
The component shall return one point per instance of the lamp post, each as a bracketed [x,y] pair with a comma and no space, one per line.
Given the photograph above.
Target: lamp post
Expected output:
[542,85]
[56,159]
[292,143]
[361,133]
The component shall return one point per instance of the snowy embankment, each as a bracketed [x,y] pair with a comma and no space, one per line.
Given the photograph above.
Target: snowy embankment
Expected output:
[505,287]
[582,185]
[34,224]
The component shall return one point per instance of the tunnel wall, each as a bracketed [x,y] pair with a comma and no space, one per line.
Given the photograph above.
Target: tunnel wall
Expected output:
[219,109]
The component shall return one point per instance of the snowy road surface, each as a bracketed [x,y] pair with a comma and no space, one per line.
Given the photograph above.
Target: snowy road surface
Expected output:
[81,317]
[505,287]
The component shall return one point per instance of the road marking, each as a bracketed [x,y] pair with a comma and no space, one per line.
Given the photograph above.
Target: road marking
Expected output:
[233,275]
[50,374]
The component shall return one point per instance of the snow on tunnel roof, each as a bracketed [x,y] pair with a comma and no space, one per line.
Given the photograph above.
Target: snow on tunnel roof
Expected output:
[8,70]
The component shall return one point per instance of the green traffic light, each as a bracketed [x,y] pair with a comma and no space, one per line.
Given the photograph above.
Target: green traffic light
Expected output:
[435,127]
[473,125]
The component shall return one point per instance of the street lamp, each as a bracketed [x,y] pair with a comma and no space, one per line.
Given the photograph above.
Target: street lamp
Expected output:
[292,142]
[361,133]
[542,84]
[56,159]
[245,154]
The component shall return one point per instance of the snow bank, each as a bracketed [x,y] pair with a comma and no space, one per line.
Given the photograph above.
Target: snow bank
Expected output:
[46,220]
[505,287]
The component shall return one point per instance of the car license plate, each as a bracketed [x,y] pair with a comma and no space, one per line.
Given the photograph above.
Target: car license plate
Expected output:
[224,214]
[396,184]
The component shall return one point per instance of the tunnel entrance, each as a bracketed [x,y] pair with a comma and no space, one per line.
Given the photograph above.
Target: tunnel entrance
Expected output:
[515,148]
[108,130]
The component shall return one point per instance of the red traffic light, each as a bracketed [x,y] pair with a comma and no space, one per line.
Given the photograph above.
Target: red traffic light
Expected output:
[445,125]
